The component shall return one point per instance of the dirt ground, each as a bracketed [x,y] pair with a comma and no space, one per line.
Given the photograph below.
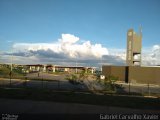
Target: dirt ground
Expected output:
[49,76]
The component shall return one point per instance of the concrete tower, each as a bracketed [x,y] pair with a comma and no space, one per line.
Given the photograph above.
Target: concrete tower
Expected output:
[134,45]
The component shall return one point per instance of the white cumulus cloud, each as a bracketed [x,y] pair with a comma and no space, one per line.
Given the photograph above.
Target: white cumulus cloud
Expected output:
[151,56]
[70,49]
[67,46]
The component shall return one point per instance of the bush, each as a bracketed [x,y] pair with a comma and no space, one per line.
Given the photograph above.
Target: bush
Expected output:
[109,83]
[73,79]
[5,72]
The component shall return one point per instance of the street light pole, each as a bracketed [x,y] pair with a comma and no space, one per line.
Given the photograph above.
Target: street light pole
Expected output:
[129,87]
[76,64]
[100,64]
[148,89]
[11,67]
[11,64]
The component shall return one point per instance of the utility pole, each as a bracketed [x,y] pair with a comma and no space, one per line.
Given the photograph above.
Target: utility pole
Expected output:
[148,89]
[76,67]
[11,67]
[129,87]
[76,64]
[11,62]
[101,63]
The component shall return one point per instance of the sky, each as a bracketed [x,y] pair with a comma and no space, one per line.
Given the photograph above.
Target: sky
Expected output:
[90,32]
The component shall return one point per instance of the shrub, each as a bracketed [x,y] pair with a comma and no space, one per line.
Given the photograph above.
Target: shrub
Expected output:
[73,79]
[109,83]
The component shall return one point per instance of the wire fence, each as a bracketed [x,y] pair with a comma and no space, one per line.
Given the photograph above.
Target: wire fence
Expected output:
[92,86]
[42,84]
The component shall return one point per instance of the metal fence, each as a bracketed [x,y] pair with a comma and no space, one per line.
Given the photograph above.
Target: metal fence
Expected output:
[93,86]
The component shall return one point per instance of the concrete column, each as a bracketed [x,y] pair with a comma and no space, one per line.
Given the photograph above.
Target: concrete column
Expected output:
[86,70]
[92,70]
[30,68]
[54,69]
[44,68]
[38,68]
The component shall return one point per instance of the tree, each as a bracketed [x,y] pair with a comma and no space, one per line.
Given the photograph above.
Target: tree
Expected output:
[109,83]
[72,79]
[82,76]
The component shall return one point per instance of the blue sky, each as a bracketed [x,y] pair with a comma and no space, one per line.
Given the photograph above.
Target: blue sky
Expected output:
[100,21]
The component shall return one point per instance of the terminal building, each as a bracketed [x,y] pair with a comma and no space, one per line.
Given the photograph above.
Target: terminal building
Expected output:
[133,72]
[57,68]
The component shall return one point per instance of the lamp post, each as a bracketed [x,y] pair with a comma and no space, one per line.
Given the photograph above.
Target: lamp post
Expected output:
[11,66]
[101,64]
[148,89]
[76,66]
[129,87]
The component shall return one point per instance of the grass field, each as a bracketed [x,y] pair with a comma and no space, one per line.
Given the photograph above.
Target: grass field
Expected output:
[72,97]
[5,73]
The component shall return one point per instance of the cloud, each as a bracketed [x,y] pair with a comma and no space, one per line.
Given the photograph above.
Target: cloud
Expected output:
[66,50]
[113,60]
[19,59]
[66,47]
[70,49]
[68,39]
[151,56]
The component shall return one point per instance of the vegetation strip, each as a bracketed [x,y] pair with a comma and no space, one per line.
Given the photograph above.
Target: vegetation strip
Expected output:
[73,97]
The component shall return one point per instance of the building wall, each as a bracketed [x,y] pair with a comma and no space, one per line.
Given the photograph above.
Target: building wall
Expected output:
[106,70]
[134,45]
[144,75]
[136,74]
[116,71]
[137,43]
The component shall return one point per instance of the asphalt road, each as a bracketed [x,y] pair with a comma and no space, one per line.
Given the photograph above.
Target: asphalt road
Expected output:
[54,84]
[12,109]
[47,76]
[15,106]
